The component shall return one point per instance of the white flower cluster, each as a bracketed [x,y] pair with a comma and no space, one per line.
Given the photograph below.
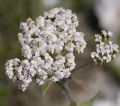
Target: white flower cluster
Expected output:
[48,46]
[105,49]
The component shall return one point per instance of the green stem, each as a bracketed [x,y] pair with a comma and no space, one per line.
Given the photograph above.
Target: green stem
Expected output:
[83,66]
[63,84]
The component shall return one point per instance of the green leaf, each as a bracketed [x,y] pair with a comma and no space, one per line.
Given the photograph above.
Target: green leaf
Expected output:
[45,88]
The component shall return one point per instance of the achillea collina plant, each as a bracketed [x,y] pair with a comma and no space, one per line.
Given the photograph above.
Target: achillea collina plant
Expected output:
[48,45]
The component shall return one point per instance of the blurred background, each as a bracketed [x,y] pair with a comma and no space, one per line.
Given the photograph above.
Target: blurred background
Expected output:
[93,16]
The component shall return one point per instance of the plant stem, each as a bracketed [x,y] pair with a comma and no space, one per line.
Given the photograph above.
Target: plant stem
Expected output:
[63,84]
[82,66]
[66,90]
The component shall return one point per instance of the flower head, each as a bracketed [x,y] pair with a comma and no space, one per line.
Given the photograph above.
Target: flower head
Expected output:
[105,49]
[48,46]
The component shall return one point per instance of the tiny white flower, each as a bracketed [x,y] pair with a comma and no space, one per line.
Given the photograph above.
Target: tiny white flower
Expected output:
[40,21]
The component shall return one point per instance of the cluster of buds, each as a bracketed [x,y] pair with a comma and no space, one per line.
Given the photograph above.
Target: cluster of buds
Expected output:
[105,49]
[48,45]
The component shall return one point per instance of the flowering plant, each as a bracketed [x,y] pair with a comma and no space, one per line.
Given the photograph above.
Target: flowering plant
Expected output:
[48,49]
